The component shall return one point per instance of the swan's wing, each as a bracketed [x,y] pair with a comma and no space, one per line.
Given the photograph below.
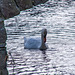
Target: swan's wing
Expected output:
[32,43]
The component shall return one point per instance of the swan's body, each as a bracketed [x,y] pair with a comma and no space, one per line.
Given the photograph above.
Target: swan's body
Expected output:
[36,43]
[32,43]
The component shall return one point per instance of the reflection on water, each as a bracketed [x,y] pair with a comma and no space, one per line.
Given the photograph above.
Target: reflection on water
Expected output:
[44,54]
[59,20]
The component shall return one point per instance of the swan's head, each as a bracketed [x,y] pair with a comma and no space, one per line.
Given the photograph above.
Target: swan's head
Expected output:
[43,34]
[43,39]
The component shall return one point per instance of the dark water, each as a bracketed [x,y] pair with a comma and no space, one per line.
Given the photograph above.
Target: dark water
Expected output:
[59,59]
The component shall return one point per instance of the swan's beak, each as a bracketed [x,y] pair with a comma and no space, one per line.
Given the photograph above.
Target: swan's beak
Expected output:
[44,38]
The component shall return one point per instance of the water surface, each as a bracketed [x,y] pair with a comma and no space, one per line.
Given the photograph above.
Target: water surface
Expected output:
[59,59]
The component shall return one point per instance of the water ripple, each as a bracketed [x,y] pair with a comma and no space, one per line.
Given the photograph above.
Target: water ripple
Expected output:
[59,19]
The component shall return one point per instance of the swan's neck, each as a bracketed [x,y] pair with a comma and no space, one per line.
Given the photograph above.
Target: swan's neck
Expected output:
[43,46]
[42,40]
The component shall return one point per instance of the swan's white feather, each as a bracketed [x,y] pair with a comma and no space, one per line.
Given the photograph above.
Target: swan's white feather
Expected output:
[32,43]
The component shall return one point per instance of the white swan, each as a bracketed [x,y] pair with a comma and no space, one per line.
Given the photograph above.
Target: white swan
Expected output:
[36,43]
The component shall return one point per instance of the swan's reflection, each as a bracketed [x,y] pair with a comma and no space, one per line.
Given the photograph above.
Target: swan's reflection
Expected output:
[45,57]
[44,54]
